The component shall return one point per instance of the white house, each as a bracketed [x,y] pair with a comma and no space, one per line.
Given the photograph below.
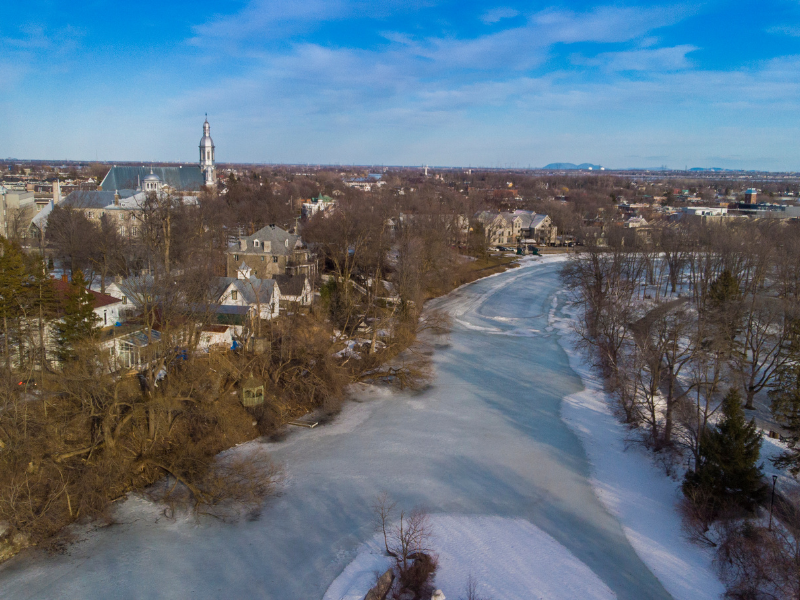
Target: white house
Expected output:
[294,289]
[261,296]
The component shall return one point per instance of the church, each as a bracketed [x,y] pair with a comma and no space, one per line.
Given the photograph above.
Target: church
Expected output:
[182,178]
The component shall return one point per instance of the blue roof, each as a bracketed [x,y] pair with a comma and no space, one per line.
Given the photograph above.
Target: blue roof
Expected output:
[185,178]
[233,310]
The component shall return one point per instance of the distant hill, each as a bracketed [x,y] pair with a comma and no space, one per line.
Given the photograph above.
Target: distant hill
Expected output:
[571,166]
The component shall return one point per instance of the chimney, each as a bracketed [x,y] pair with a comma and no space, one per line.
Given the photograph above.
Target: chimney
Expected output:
[242,244]
[267,246]
[116,197]
[56,191]
[64,278]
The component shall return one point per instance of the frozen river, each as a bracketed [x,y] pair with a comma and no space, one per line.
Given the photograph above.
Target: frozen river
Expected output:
[485,439]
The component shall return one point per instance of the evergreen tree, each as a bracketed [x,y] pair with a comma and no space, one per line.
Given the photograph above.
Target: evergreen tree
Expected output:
[723,312]
[79,323]
[785,397]
[12,279]
[723,291]
[728,472]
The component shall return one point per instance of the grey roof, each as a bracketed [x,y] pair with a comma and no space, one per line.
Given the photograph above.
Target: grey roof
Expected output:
[94,199]
[537,220]
[291,285]
[137,287]
[188,177]
[253,290]
[277,238]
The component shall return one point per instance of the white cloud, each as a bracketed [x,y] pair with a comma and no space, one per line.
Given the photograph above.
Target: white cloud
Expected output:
[498,14]
[793,31]
[655,59]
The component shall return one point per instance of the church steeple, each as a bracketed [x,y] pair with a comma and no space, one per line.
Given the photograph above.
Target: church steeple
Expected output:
[207,155]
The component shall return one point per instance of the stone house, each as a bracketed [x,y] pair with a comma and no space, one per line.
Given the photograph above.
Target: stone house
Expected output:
[270,251]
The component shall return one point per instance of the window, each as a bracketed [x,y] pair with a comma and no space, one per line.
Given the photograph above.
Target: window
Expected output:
[262,259]
[234,295]
[124,299]
[274,259]
[105,317]
[133,231]
[122,230]
[236,257]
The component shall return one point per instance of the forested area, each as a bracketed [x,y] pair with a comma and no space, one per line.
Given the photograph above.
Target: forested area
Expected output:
[696,332]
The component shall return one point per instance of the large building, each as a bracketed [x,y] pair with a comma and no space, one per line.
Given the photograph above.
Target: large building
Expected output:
[187,178]
[269,252]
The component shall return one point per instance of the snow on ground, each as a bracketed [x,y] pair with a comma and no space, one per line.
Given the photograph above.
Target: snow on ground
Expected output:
[510,559]
[641,496]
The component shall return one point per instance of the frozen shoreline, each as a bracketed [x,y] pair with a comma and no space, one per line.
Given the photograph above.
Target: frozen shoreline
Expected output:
[629,484]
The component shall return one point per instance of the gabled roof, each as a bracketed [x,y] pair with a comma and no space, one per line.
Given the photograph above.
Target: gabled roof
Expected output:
[40,218]
[98,300]
[253,290]
[291,285]
[537,220]
[183,178]
[277,238]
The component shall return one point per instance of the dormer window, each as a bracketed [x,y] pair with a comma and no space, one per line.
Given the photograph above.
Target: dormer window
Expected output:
[256,243]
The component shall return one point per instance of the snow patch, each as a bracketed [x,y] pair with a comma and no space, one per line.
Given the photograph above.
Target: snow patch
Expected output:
[510,559]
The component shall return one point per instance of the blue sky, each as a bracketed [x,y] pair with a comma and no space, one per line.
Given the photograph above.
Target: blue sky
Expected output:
[624,84]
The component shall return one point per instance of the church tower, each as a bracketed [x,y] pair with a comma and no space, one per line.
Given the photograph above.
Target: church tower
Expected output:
[207,155]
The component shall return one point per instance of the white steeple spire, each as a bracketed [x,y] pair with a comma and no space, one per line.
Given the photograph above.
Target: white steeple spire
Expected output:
[207,155]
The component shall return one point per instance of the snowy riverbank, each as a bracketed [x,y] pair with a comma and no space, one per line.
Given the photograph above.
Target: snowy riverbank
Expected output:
[631,486]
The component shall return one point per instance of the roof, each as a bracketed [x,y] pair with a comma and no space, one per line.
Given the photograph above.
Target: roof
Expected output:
[277,238]
[95,199]
[188,177]
[291,285]
[40,218]
[99,300]
[253,290]
[129,200]
[227,309]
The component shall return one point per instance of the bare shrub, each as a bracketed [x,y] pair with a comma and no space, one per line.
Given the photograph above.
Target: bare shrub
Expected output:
[471,590]
[232,486]
[758,563]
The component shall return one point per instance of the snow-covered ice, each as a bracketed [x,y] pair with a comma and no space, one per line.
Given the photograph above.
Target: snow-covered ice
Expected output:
[507,558]
[483,448]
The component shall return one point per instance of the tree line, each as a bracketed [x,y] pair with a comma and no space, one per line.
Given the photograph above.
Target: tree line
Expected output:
[692,328]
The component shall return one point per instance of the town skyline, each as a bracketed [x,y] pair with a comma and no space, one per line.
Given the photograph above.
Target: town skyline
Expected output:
[491,85]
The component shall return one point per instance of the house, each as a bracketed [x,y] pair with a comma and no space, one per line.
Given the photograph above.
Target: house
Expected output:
[261,297]
[320,203]
[512,227]
[294,289]
[107,308]
[635,222]
[134,292]
[270,251]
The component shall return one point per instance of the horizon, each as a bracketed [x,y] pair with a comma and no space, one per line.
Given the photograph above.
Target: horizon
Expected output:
[487,86]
